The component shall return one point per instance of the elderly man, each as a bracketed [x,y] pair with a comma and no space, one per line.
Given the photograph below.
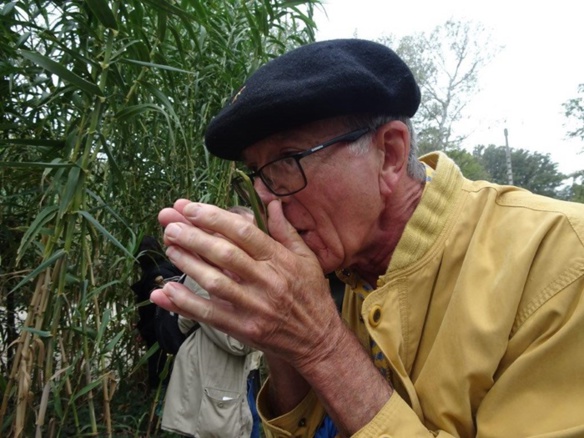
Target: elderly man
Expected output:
[463,312]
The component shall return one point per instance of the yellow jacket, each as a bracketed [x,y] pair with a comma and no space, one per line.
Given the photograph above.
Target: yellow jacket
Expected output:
[480,314]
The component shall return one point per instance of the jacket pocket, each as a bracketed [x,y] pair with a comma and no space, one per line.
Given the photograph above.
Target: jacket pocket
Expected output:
[220,415]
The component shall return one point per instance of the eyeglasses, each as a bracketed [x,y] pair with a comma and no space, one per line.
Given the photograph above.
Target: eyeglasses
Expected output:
[285,176]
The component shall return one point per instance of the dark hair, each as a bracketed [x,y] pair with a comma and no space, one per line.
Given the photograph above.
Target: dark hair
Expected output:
[150,253]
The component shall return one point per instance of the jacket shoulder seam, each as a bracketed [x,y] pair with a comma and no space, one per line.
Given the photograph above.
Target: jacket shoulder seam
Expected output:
[567,277]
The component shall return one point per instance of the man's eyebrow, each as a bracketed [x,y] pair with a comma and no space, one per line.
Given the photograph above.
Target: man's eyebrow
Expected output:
[288,139]
[245,161]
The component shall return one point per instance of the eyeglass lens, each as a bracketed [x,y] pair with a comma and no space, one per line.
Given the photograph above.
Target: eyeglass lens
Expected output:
[283,176]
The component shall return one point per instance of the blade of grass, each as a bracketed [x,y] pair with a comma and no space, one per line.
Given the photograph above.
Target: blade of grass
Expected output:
[103,13]
[40,268]
[61,71]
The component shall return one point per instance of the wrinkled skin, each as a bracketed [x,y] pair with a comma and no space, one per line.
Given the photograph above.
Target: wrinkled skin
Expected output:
[262,299]
[271,293]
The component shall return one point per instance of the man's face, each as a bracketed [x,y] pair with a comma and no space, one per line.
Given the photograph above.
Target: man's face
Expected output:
[337,212]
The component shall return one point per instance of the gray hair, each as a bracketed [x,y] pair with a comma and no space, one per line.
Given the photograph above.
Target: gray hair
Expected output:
[415,168]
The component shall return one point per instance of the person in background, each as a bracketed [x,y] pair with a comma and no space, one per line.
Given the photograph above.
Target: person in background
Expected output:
[155,269]
[213,383]
[463,312]
[214,380]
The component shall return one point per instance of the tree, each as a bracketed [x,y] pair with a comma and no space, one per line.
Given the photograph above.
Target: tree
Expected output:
[574,191]
[574,111]
[531,170]
[446,63]
[469,164]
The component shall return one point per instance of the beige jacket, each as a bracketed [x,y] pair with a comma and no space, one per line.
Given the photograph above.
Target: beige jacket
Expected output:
[207,392]
[480,314]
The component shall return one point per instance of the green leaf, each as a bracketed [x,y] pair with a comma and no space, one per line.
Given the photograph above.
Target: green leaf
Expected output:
[111,344]
[110,210]
[160,66]
[259,209]
[166,369]
[105,232]
[8,7]
[107,313]
[166,102]
[113,163]
[85,332]
[74,183]
[145,358]
[14,164]
[42,218]
[39,333]
[35,142]
[162,24]
[99,289]
[61,71]
[40,268]
[132,111]
[169,7]
[103,13]
[88,388]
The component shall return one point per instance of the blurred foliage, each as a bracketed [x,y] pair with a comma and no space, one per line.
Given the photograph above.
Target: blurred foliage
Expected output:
[574,112]
[446,63]
[104,105]
[470,166]
[531,170]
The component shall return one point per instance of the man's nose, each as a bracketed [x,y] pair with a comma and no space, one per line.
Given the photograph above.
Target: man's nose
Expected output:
[264,193]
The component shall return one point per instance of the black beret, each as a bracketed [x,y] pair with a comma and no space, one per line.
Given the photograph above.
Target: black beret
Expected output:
[313,82]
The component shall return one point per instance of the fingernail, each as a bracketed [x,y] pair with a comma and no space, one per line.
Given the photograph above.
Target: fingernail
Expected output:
[170,291]
[190,209]
[172,253]
[172,230]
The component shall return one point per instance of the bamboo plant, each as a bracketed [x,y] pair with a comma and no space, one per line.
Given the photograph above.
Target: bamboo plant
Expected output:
[104,106]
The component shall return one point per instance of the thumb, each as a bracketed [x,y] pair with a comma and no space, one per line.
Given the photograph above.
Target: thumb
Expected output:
[282,231]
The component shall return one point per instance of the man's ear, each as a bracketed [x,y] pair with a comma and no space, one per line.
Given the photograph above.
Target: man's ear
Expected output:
[393,141]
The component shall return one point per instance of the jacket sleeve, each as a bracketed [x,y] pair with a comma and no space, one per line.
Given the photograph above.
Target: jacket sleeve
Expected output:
[185,324]
[226,342]
[222,340]
[537,391]
[539,386]
[302,421]
[396,418]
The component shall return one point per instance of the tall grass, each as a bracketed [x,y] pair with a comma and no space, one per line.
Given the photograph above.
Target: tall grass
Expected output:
[104,105]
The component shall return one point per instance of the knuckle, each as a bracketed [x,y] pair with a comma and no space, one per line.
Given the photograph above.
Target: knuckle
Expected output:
[256,331]
[246,232]
[229,254]
[206,313]
[215,284]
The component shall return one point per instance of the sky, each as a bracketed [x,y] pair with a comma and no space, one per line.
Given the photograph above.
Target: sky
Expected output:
[538,68]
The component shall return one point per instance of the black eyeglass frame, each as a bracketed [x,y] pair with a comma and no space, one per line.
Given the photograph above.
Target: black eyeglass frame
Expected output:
[349,137]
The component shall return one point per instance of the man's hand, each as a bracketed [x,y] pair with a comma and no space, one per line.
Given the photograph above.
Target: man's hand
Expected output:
[269,293]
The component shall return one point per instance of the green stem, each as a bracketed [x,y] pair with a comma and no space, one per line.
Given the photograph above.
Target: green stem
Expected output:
[259,209]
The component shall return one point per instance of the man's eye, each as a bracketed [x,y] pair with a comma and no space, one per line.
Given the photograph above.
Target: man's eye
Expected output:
[290,153]
[287,161]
